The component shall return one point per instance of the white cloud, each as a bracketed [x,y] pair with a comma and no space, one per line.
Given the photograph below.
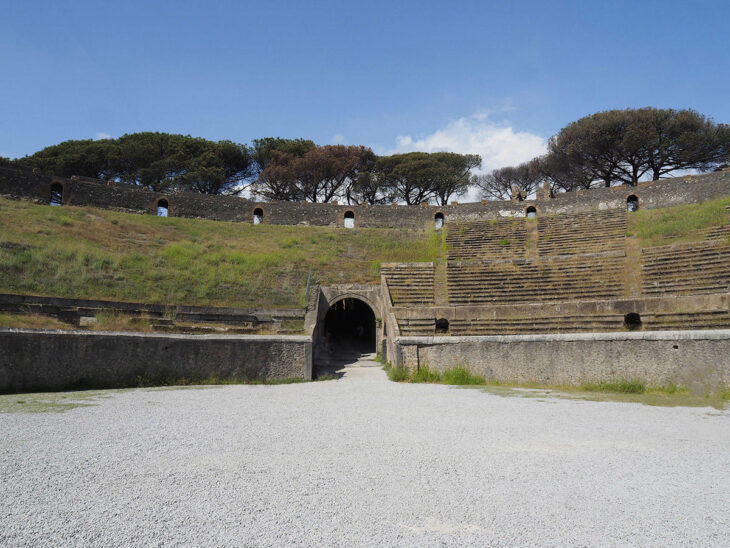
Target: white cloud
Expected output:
[338,139]
[102,135]
[498,144]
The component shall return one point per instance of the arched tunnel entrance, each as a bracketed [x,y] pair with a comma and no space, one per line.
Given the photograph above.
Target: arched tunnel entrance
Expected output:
[347,333]
[347,329]
[350,327]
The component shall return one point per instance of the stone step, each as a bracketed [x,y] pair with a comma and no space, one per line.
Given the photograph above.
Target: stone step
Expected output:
[515,287]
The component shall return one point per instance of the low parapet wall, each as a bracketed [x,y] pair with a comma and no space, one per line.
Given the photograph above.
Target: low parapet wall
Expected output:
[699,360]
[34,360]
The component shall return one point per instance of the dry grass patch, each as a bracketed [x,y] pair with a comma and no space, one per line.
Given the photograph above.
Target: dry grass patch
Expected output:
[31,321]
[678,224]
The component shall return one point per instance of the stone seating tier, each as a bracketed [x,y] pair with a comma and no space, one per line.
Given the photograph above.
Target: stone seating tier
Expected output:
[527,281]
[574,323]
[689,269]
[410,284]
[495,239]
[593,232]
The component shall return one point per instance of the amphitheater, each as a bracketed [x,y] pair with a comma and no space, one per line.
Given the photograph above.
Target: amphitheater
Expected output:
[553,291]
[560,291]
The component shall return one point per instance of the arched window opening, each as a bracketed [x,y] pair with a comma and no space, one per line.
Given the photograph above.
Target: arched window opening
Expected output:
[632,204]
[56,194]
[258,216]
[162,208]
[349,219]
[531,212]
[632,321]
[439,220]
[442,326]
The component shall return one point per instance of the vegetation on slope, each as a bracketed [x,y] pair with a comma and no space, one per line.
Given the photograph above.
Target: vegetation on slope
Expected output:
[94,253]
[678,224]
[30,321]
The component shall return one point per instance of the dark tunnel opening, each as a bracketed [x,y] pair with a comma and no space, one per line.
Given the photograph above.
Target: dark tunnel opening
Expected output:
[350,327]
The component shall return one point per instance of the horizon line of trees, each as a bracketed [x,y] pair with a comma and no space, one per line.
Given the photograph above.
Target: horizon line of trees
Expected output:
[617,147]
[603,149]
[270,168]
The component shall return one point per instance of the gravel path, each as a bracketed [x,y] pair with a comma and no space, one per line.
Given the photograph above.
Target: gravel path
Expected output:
[362,461]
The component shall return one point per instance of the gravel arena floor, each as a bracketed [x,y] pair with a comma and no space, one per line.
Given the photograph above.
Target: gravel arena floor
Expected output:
[358,461]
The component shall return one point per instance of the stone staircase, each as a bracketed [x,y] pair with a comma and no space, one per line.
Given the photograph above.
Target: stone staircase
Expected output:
[410,284]
[719,233]
[417,326]
[524,281]
[585,323]
[686,269]
[490,239]
[710,319]
[579,233]
[559,259]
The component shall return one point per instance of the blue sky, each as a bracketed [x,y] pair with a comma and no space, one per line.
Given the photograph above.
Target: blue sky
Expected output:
[496,78]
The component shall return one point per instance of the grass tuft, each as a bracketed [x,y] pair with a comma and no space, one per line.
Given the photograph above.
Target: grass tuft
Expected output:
[622,387]
[424,374]
[459,376]
[326,377]
[397,374]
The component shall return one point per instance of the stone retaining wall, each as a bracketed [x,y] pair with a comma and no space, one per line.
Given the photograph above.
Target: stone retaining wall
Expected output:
[699,360]
[36,360]
[22,183]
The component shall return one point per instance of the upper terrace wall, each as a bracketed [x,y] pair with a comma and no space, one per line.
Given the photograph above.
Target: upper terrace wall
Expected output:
[119,196]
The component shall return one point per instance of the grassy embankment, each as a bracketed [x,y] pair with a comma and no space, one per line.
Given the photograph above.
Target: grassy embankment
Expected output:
[99,254]
[678,224]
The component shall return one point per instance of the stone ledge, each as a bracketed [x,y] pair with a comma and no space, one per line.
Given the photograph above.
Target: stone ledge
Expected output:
[175,336]
[705,334]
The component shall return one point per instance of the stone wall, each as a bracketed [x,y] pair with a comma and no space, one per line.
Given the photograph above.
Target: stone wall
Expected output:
[35,360]
[645,306]
[694,359]
[71,310]
[118,196]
